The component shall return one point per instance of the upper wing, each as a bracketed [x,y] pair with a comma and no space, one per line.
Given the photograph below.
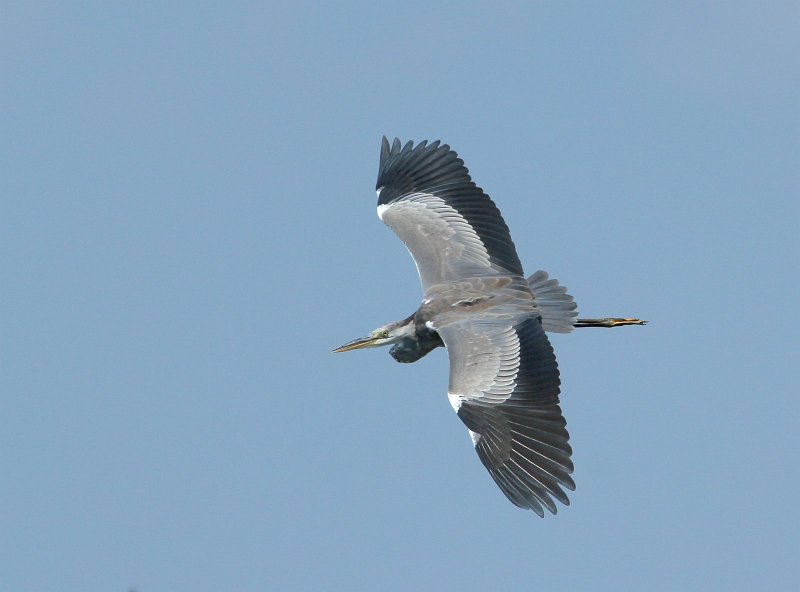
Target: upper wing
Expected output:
[504,385]
[450,226]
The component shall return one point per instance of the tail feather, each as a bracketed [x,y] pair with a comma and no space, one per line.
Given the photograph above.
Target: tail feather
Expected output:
[559,310]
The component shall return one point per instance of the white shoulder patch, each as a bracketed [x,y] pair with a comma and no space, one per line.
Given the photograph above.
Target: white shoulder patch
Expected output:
[382,207]
[455,401]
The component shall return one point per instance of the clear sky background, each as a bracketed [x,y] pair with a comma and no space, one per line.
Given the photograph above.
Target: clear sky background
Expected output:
[187,228]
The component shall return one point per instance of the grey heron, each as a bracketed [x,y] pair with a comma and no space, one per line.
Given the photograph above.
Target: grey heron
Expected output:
[504,380]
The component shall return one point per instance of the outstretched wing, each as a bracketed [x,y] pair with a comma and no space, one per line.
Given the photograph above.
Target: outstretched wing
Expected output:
[504,385]
[450,226]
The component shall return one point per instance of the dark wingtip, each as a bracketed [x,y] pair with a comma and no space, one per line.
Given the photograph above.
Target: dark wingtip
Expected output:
[385,150]
[409,167]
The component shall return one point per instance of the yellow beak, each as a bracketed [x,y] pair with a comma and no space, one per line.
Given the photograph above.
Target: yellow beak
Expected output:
[359,343]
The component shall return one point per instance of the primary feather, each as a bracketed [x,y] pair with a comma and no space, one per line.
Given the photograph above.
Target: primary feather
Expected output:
[504,380]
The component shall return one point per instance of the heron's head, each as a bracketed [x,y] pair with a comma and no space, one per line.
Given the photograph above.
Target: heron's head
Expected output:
[385,335]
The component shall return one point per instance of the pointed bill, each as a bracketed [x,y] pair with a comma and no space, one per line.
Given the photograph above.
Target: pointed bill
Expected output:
[361,342]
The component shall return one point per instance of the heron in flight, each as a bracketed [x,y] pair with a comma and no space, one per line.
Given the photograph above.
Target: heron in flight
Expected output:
[504,380]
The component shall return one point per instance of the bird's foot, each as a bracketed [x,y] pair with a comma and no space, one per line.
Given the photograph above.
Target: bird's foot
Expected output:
[608,322]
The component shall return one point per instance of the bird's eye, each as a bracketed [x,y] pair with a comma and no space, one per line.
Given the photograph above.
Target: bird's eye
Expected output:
[384,334]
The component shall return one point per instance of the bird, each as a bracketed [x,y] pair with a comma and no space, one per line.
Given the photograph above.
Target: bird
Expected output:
[504,381]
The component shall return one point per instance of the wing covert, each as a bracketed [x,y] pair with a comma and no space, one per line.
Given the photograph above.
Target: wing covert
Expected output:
[451,227]
[504,385]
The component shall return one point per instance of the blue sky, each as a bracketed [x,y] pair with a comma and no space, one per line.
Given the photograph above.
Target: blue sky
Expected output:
[187,227]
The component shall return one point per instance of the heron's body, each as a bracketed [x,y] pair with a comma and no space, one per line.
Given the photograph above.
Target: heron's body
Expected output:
[504,380]
[557,313]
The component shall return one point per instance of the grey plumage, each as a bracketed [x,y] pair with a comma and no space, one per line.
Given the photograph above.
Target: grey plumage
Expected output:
[504,380]
[559,311]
